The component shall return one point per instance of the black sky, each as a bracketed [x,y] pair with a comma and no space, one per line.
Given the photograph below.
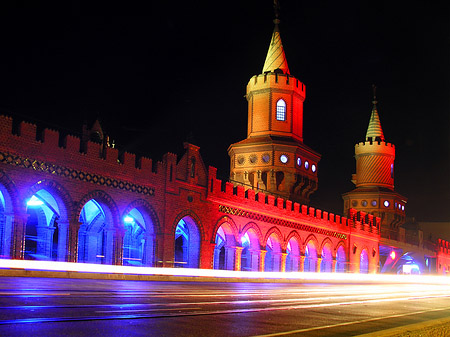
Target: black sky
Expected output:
[158,74]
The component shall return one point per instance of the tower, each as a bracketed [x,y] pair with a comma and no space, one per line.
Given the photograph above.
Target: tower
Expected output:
[273,158]
[374,179]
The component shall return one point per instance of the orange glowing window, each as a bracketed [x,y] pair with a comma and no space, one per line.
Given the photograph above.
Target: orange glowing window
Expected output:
[281,110]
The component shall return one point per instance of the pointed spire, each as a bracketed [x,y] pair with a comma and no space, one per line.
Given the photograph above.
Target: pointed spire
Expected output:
[276,59]
[374,131]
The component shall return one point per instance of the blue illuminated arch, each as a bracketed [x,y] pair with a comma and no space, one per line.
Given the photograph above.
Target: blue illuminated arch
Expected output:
[293,254]
[140,224]
[272,260]
[225,249]
[6,222]
[341,260]
[364,262]
[310,257]
[326,263]
[251,251]
[187,243]
[95,237]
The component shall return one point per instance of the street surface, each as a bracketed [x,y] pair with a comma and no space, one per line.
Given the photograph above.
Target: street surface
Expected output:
[80,307]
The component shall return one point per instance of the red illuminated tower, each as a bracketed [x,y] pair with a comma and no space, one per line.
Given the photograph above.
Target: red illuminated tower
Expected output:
[374,180]
[273,158]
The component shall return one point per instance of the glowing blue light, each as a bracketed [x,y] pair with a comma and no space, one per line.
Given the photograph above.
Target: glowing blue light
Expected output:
[34,202]
[128,219]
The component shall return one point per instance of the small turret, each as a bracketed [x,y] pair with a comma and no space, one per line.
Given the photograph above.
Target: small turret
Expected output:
[374,179]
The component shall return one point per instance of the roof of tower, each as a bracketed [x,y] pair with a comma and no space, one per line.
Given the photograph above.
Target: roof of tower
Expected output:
[276,59]
[374,130]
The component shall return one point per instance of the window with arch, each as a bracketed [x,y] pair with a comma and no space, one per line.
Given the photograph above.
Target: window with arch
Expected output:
[281,110]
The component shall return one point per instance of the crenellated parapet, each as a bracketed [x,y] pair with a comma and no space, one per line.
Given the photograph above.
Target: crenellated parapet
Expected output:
[236,200]
[374,164]
[274,81]
[63,155]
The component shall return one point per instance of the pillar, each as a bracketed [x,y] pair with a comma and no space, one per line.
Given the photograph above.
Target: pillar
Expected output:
[18,246]
[237,258]
[148,258]
[283,262]
[72,251]
[262,258]
[302,263]
[114,238]
[63,231]
[319,264]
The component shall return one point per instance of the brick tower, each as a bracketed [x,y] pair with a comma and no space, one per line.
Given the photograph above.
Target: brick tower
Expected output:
[273,158]
[374,180]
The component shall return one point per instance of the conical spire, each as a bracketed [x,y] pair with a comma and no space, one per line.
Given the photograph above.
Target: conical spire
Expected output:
[374,131]
[276,59]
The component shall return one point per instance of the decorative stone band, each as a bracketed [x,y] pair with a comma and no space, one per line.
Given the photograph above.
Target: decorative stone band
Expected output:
[281,222]
[66,172]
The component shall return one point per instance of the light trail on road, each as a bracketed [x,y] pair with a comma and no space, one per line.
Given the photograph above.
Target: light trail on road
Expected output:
[48,303]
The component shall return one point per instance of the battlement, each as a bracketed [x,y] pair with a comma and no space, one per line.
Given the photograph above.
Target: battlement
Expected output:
[251,200]
[375,147]
[276,80]
[49,146]
[443,246]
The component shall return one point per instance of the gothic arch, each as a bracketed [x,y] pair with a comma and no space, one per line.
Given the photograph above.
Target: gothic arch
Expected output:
[141,203]
[62,196]
[327,241]
[193,216]
[277,232]
[230,222]
[312,238]
[293,235]
[341,244]
[103,197]
[13,195]
[252,225]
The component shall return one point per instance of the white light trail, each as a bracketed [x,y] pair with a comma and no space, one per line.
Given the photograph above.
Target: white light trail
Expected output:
[190,272]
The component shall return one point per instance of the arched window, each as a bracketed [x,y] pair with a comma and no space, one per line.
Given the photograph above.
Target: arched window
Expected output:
[281,110]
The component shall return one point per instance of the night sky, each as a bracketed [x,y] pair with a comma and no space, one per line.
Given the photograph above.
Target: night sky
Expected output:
[176,70]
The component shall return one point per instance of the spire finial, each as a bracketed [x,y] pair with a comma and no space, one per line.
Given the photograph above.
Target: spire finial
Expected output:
[276,8]
[374,88]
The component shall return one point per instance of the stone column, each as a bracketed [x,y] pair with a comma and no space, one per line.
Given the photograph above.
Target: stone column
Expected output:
[319,262]
[7,236]
[148,254]
[63,230]
[114,247]
[18,246]
[262,258]
[72,247]
[283,262]
[302,263]
[237,258]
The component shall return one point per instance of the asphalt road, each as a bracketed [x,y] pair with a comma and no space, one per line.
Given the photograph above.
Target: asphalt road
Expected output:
[77,307]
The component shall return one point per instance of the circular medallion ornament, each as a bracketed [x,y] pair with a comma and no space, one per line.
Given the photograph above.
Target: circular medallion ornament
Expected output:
[364,203]
[306,165]
[265,158]
[241,160]
[299,161]
[386,203]
[313,168]
[284,159]
[253,158]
